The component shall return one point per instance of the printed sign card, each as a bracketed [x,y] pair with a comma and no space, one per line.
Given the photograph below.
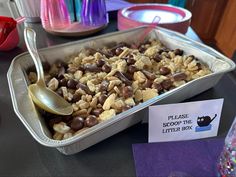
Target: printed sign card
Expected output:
[184,121]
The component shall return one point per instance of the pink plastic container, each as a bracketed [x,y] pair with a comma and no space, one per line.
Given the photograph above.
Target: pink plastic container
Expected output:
[173,18]
[54,14]
[12,39]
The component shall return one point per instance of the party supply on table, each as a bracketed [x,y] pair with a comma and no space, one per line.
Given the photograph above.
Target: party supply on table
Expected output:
[227,160]
[54,14]
[195,158]
[70,7]
[78,8]
[174,18]
[6,26]
[94,13]
[9,37]
[63,18]
[30,9]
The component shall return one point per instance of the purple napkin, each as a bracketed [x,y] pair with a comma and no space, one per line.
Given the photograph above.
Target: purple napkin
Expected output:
[197,158]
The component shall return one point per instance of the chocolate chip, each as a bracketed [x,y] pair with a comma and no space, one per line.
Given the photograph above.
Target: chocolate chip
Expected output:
[122,77]
[157,86]
[104,85]
[71,83]
[142,49]
[179,76]
[132,69]
[127,92]
[91,120]
[77,123]
[166,84]
[199,66]
[147,84]
[178,52]
[92,68]
[61,73]
[164,70]
[100,62]
[128,76]
[118,51]
[106,68]
[149,75]
[160,51]
[97,111]
[157,57]
[102,98]
[81,68]
[67,119]
[119,45]
[63,82]
[84,88]
[76,97]
[55,120]
[130,61]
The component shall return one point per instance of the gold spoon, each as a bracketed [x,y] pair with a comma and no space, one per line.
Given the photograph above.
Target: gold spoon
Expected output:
[40,94]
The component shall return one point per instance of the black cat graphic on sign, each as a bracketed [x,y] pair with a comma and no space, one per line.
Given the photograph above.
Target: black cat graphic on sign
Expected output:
[204,123]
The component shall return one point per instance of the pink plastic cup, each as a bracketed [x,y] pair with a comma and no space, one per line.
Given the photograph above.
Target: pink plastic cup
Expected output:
[12,39]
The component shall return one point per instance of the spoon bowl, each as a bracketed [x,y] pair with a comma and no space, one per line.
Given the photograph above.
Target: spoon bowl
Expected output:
[40,94]
[49,100]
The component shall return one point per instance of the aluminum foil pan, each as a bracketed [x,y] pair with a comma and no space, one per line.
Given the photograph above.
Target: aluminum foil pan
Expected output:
[34,122]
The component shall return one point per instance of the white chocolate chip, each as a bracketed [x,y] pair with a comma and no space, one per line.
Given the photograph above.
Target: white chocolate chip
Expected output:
[130,102]
[135,86]
[53,84]
[118,104]
[139,64]
[82,104]
[64,92]
[139,76]
[61,127]
[94,102]
[121,65]
[109,101]
[113,83]
[105,115]
[78,74]
[124,53]
[75,107]
[138,96]
[149,93]
[57,136]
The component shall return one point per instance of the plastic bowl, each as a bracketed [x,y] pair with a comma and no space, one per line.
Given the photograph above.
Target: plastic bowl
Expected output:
[11,41]
[173,18]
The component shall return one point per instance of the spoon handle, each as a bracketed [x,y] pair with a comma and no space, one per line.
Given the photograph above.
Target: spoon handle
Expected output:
[30,40]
